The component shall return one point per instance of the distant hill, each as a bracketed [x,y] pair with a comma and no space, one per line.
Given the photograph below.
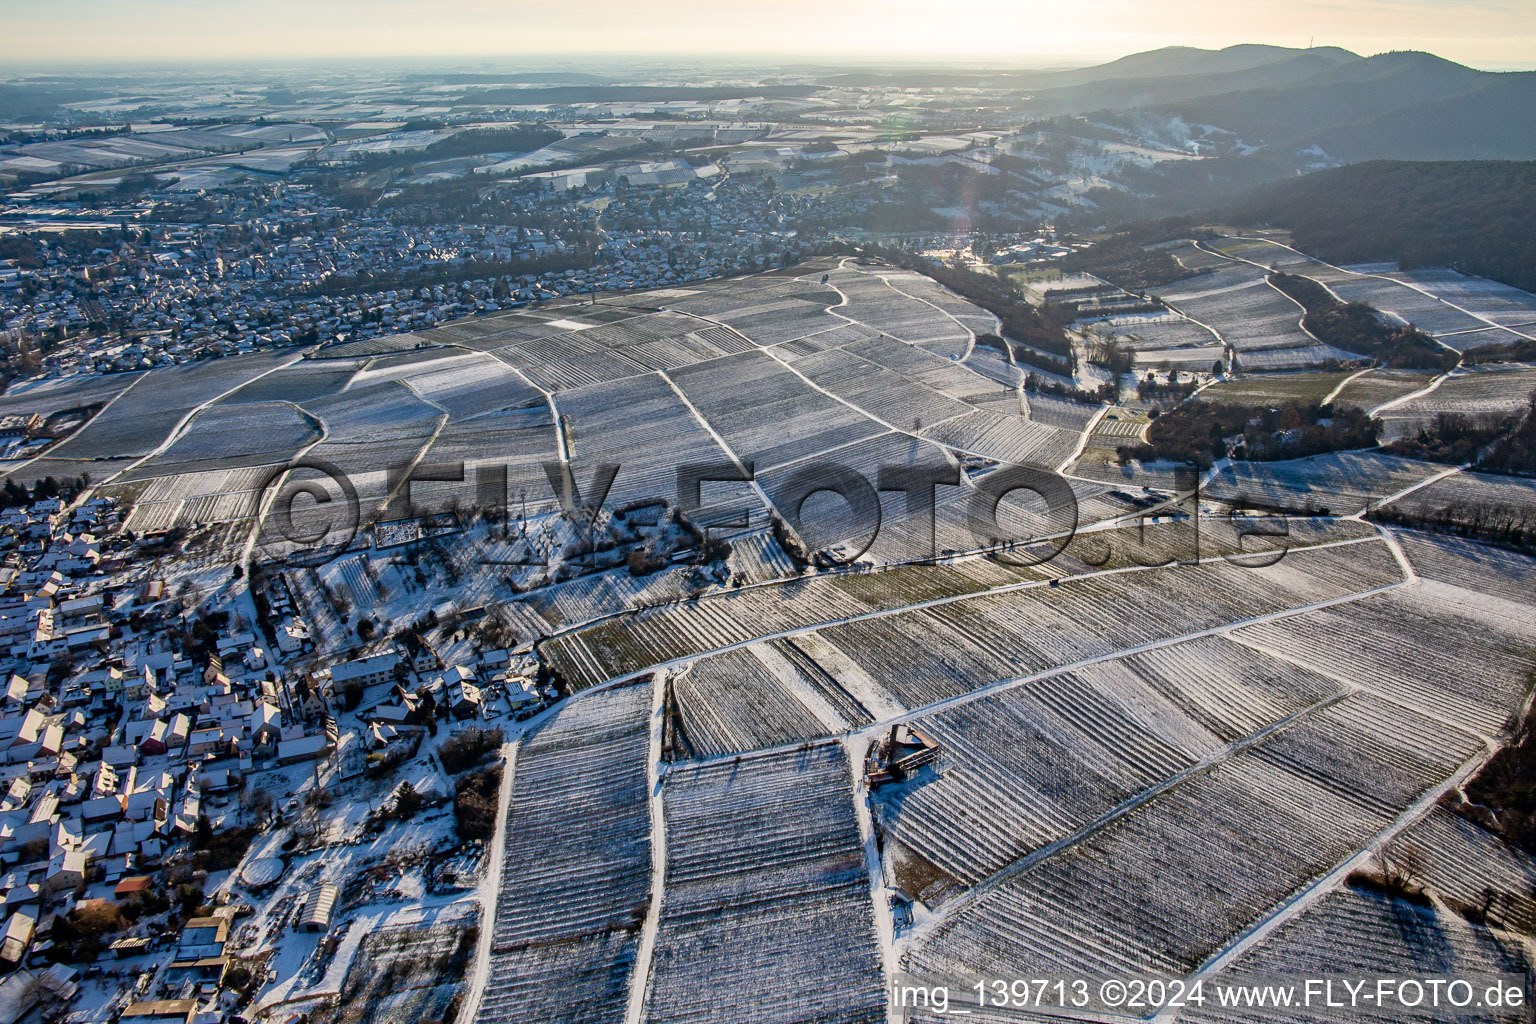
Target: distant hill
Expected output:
[1187,61]
[1406,106]
[1170,86]
[1477,216]
[1305,107]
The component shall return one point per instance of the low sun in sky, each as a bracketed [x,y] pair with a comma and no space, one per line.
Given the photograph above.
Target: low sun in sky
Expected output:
[1495,34]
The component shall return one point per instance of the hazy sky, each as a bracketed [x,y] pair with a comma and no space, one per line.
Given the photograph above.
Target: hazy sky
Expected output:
[1495,33]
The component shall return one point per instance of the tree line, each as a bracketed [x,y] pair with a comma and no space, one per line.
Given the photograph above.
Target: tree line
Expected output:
[1358,327]
[1475,216]
[1021,322]
[1200,432]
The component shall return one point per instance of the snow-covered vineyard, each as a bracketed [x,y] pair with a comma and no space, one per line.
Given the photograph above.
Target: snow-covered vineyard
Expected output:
[1154,776]
[1130,763]
[577,868]
[1199,735]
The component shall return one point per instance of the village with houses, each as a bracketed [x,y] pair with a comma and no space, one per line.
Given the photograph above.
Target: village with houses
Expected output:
[148,740]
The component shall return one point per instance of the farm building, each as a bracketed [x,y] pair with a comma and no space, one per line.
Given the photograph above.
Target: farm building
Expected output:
[133,884]
[304,748]
[315,914]
[366,671]
[161,1011]
[132,946]
[203,937]
[18,933]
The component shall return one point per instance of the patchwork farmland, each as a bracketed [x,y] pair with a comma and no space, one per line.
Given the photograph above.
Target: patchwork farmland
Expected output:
[781,745]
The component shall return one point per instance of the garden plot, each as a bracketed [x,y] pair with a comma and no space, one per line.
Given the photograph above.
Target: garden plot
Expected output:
[520,440]
[1378,386]
[144,416]
[1490,390]
[758,696]
[354,577]
[1095,616]
[1147,333]
[785,319]
[1362,934]
[577,870]
[1297,358]
[1193,257]
[569,360]
[882,306]
[1032,765]
[1405,304]
[884,394]
[1236,302]
[580,600]
[649,432]
[60,393]
[710,298]
[952,378]
[1472,869]
[932,654]
[766,414]
[406,973]
[302,382]
[767,913]
[233,437]
[1343,483]
[473,386]
[1492,300]
[662,634]
[1408,306]
[1170,883]
[379,412]
[825,520]
[366,347]
[1010,439]
[192,499]
[1458,654]
[317,609]
[1471,566]
[1276,389]
[1062,413]
[1472,499]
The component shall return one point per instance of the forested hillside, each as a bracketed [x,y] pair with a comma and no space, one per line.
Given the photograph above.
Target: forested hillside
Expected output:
[1477,216]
